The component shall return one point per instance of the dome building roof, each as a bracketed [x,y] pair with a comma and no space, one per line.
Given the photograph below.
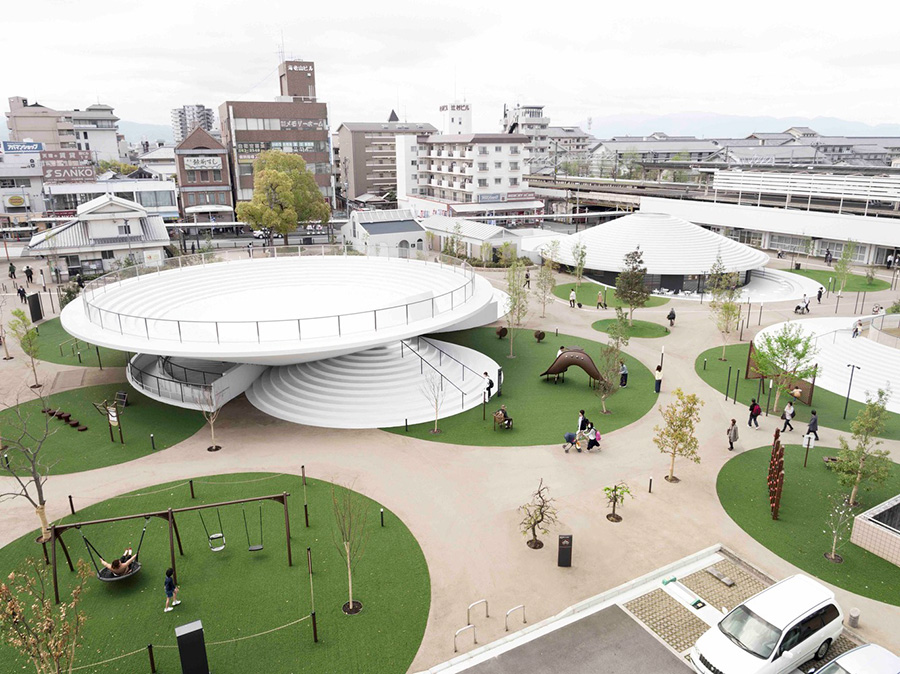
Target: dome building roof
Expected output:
[671,246]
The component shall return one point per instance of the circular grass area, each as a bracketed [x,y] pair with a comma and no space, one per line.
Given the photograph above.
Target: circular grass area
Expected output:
[856,283]
[587,295]
[237,593]
[542,411]
[639,329]
[55,345]
[69,451]
[798,535]
[830,406]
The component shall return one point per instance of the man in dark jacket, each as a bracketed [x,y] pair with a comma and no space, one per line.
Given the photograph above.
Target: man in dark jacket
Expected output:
[813,426]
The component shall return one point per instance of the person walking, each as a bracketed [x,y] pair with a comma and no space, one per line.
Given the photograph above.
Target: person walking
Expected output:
[857,329]
[21,293]
[819,294]
[572,298]
[527,283]
[623,374]
[787,415]
[171,590]
[593,436]
[890,261]
[488,386]
[29,275]
[657,374]
[813,427]
[12,270]
[671,318]
[600,303]
[732,434]
[755,411]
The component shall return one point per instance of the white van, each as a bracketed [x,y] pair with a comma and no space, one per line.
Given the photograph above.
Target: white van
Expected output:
[773,632]
[868,659]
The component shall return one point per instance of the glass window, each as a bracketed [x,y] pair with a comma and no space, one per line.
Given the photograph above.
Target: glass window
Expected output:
[750,632]
[498,164]
[482,149]
[498,181]
[204,176]
[498,148]
[482,182]
[217,175]
[192,176]
[191,199]
[513,181]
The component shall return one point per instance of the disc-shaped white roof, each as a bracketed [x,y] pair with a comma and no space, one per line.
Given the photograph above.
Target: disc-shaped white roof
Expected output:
[670,246]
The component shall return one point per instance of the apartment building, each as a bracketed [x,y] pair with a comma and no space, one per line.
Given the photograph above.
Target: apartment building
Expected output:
[189,117]
[368,155]
[456,118]
[468,174]
[530,121]
[205,193]
[569,140]
[295,122]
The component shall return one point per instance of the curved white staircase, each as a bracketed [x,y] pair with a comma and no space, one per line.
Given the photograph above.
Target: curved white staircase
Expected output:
[375,388]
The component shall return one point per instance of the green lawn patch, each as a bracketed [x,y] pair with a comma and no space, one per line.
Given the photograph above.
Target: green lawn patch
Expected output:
[52,336]
[855,282]
[830,406]
[542,411]
[237,593]
[798,534]
[587,295]
[641,329]
[69,451]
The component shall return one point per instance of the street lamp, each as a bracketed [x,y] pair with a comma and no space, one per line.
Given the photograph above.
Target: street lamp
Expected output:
[847,401]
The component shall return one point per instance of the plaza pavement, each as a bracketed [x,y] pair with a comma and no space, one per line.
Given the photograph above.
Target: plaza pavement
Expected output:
[460,502]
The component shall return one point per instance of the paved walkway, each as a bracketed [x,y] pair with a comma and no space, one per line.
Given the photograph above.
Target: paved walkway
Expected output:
[460,502]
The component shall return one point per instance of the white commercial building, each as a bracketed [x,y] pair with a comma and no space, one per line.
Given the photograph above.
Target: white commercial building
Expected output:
[188,117]
[470,235]
[456,118]
[396,229]
[20,186]
[93,129]
[530,121]
[156,196]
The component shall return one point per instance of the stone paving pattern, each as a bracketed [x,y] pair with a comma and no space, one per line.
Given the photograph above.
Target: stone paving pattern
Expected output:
[669,620]
[718,595]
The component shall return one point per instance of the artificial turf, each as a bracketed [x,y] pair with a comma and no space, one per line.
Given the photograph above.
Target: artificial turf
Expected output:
[828,405]
[586,293]
[799,535]
[640,329]
[68,451]
[542,411]
[855,282]
[237,593]
[52,337]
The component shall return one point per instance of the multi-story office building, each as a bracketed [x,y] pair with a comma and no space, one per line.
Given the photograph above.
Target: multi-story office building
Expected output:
[203,178]
[295,122]
[20,186]
[93,129]
[471,174]
[189,117]
[157,197]
[530,121]
[456,118]
[368,154]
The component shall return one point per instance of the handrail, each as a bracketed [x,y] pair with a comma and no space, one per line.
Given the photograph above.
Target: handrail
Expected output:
[139,380]
[441,374]
[96,313]
[466,367]
[168,365]
[463,629]
[472,605]
[515,608]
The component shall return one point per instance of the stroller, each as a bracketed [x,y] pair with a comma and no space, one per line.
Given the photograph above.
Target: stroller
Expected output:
[572,440]
[802,308]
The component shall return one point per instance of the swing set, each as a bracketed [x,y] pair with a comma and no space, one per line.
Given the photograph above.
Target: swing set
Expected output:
[216,540]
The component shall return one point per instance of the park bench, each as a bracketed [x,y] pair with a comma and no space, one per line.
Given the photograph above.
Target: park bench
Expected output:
[500,420]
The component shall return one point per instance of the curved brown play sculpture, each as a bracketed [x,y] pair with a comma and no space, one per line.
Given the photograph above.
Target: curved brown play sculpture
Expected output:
[574,355]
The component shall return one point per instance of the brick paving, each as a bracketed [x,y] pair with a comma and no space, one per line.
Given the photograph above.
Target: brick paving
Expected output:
[716,593]
[668,619]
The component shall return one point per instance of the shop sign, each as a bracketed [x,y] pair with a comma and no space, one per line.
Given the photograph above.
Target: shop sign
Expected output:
[201,163]
[15,146]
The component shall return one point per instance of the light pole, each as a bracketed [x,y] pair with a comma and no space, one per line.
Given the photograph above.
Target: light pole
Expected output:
[847,401]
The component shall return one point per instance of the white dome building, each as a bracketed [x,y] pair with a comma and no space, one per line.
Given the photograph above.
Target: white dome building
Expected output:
[677,254]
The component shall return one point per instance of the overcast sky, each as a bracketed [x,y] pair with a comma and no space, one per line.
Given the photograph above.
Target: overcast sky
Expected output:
[579,59]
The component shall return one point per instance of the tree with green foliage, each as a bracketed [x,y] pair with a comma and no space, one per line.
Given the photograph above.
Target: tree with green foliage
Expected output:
[630,288]
[615,496]
[27,337]
[610,359]
[507,254]
[517,302]
[285,193]
[843,265]
[680,175]
[629,166]
[544,284]
[116,166]
[487,251]
[864,463]
[724,292]
[33,624]
[550,254]
[785,356]
[676,436]
[579,254]
[539,515]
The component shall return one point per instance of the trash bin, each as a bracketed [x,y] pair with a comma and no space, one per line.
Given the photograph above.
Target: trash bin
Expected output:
[796,265]
[192,648]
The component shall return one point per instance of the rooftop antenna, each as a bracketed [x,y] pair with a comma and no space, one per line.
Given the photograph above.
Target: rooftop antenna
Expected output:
[281,51]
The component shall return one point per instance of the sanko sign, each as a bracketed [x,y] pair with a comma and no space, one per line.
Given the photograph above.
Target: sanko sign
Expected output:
[14,146]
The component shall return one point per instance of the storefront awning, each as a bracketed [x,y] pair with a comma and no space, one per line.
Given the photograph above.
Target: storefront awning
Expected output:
[208,208]
[498,207]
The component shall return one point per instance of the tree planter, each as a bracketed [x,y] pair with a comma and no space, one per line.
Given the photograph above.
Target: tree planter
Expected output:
[673,479]
[214,448]
[435,431]
[837,559]
[352,610]
[614,518]
[535,544]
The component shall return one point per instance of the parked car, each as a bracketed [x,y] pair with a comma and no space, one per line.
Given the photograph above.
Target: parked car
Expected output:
[773,632]
[868,659]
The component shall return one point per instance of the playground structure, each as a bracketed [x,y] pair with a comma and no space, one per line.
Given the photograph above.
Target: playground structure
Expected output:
[216,543]
[801,390]
[574,355]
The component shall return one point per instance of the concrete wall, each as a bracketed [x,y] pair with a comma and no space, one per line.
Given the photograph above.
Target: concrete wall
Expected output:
[874,537]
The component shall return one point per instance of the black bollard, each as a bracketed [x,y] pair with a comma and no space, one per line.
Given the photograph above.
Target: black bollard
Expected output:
[152,442]
[382,517]
[728,384]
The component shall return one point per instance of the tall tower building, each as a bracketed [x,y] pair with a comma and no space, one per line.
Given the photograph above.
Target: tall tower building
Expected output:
[456,118]
[530,121]
[188,117]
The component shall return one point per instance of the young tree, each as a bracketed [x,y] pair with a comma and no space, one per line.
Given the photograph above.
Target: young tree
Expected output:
[487,251]
[550,253]
[615,495]
[27,337]
[210,405]
[610,358]
[838,525]
[539,515]
[517,305]
[6,355]
[507,254]
[630,288]
[546,280]
[723,289]
[784,356]
[676,436]
[579,254]
[24,436]
[32,623]
[350,535]
[433,391]
[843,265]
[117,166]
[284,194]
[865,463]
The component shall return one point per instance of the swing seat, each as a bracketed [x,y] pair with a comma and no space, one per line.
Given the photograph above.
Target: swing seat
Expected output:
[255,548]
[107,576]
[214,540]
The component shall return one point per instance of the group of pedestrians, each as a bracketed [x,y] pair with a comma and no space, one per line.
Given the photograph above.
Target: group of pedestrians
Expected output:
[585,431]
[787,416]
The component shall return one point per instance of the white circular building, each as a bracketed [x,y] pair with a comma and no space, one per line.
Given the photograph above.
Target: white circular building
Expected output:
[677,254]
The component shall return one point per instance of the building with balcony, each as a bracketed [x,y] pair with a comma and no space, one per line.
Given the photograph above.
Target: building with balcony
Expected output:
[160,160]
[530,121]
[478,174]
[203,178]
[189,117]
[368,159]
[295,123]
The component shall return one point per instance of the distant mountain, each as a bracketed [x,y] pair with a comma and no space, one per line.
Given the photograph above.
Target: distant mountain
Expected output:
[712,125]
[135,132]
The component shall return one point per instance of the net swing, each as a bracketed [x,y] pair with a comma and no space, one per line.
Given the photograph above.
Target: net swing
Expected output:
[216,541]
[250,546]
[106,575]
